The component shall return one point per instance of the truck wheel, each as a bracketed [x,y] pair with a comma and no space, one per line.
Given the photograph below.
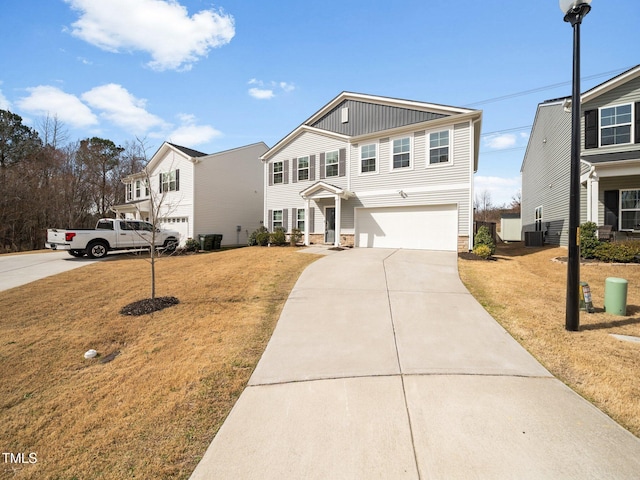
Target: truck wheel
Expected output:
[97,250]
[170,244]
[76,253]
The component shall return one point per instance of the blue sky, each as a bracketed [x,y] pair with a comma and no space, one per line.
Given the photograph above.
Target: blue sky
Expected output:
[214,76]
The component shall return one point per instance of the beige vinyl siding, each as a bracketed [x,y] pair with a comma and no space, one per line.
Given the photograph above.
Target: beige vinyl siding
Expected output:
[288,195]
[457,170]
[624,94]
[229,192]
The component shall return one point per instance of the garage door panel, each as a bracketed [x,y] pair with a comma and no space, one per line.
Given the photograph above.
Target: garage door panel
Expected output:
[418,227]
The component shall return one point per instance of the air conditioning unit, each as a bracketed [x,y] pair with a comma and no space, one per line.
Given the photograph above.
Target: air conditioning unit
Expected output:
[533,239]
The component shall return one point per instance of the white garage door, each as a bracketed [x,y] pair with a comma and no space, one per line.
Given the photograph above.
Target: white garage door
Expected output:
[433,227]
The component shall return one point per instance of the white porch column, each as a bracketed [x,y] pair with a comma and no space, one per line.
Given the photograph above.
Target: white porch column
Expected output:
[594,192]
[338,220]
[307,225]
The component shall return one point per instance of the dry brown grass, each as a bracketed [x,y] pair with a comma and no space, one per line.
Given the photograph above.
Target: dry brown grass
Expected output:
[526,292]
[152,411]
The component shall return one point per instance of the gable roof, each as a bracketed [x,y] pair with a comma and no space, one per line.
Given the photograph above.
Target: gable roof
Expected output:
[606,86]
[398,114]
[189,151]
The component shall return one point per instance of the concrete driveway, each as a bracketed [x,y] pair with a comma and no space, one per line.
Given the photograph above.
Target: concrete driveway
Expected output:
[383,366]
[16,270]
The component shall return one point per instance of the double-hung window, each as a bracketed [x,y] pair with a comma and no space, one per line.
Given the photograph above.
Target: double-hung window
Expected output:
[331,164]
[615,125]
[303,168]
[138,185]
[630,209]
[169,181]
[368,158]
[278,173]
[129,192]
[439,147]
[300,220]
[277,219]
[402,153]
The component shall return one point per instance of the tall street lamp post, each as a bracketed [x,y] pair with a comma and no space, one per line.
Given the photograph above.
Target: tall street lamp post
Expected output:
[575,11]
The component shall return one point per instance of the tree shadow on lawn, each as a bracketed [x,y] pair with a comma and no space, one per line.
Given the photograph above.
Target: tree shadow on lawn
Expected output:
[631,310]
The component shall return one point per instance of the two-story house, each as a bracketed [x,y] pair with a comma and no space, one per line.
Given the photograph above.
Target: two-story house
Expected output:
[610,161]
[373,171]
[196,193]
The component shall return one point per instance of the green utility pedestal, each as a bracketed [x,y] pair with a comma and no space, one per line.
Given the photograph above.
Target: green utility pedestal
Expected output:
[615,296]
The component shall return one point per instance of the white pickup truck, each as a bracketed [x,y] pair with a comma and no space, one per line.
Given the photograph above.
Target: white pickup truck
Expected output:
[110,234]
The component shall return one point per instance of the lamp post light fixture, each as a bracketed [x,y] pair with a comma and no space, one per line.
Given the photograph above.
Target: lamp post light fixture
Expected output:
[574,11]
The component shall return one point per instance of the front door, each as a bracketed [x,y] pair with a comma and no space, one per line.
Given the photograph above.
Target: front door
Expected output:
[611,208]
[330,225]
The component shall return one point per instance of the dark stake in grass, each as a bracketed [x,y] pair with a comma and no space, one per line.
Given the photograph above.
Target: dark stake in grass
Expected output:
[148,305]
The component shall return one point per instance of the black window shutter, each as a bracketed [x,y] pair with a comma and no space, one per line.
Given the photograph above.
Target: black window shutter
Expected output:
[611,208]
[322,169]
[312,167]
[285,168]
[270,220]
[285,218]
[161,175]
[177,180]
[309,221]
[270,174]
[342,162]
[294,178]
[294,218]
[591,129]
[637,122]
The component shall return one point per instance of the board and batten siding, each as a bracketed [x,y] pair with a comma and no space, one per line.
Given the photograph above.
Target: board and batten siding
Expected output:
[366,118]
[624,94]
[229,192]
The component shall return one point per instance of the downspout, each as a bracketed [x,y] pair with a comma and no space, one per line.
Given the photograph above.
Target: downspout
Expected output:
[472,151]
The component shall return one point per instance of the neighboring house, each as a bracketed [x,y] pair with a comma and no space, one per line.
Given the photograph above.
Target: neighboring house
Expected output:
[221,193]
[374,171]
[610,161]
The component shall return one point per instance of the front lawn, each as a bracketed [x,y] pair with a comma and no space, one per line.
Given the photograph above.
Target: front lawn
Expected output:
[151,402]
[525,291]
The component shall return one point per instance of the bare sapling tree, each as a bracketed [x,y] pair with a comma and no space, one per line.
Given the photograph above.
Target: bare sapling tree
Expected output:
[153,209]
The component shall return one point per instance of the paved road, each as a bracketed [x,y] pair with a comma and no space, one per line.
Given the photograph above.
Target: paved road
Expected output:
[16,270]
[383,366]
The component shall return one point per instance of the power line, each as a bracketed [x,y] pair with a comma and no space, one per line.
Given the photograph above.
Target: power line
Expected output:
[514,129]
[546,87]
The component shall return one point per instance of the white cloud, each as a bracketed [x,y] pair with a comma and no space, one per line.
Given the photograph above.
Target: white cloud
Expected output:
[190,134]
[4,103]
[121,108]
[500,142]
[502,189]
[162,28]
[267,93]
[47,100]
[261,93]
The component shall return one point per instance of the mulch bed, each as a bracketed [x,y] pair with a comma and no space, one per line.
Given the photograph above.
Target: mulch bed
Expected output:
[473,256]
[148,305]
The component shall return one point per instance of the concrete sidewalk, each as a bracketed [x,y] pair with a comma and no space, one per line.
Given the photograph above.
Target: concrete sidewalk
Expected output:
[382,365]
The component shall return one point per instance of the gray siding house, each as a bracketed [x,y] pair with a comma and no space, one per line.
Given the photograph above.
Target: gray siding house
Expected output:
[373,171]
[610,161]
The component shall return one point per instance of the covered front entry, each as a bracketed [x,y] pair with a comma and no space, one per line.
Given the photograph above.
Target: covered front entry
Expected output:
[332,214]
[424,227]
